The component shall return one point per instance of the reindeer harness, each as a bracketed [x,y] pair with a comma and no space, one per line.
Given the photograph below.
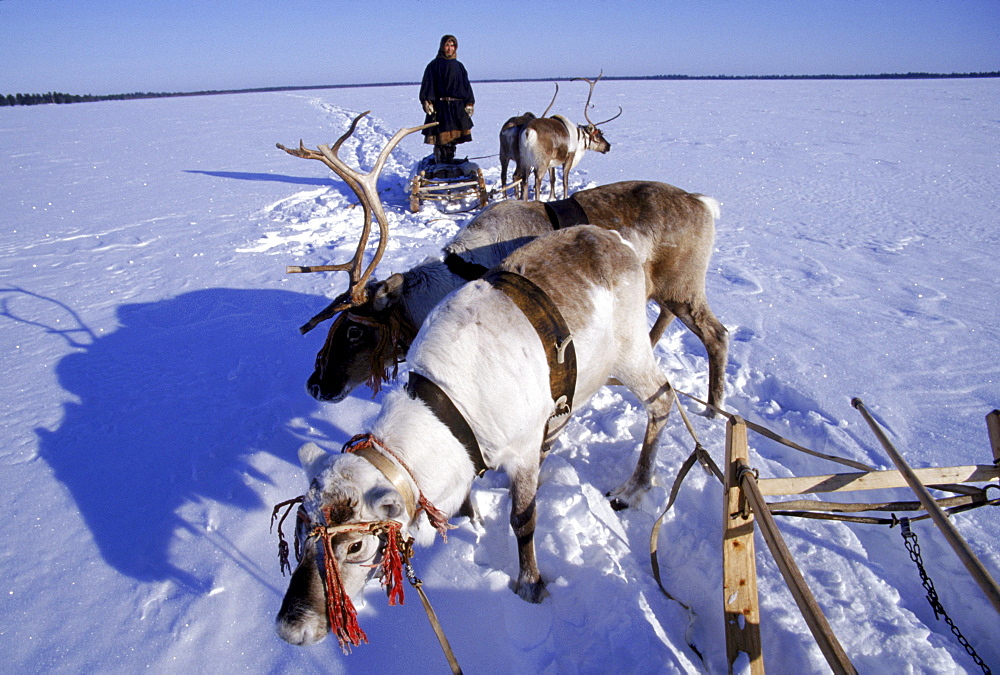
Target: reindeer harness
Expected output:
[565,213]
[557,340]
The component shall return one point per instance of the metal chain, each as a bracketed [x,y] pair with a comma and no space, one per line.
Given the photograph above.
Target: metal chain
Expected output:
[913,548]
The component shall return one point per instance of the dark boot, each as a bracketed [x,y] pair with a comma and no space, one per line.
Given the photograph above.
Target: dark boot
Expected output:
[447,154]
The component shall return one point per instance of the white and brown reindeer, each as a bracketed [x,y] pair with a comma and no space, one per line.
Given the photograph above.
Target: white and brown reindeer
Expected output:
[672,231]
[413,469]
[480,351]
[551,142]
[510,144]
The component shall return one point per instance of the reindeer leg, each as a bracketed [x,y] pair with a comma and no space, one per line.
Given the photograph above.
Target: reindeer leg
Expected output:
[468,509]
[702,322]
[657,406]
[523,489]
[663,320]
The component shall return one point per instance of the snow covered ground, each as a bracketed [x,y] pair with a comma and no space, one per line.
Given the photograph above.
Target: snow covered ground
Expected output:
[153,377]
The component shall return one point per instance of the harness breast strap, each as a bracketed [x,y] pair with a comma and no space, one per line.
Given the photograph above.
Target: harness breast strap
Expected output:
[444,409]
[556,338]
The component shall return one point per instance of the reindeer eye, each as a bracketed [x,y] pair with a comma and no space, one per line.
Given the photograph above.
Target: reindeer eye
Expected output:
[354,548]
[354,333]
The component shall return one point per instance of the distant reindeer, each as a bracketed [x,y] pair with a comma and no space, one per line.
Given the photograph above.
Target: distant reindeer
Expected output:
[557,142]
[411,472]
[510,143]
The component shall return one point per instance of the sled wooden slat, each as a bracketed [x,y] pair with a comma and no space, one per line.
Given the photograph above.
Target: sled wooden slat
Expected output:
[433,185]
[430,196]
[876,480]
[739,565]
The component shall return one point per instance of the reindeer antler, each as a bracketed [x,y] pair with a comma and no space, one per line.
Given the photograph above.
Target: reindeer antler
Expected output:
[587,104]
[552,101]
[364,186]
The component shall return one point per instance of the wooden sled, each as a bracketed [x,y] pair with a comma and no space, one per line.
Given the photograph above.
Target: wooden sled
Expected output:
[447,183]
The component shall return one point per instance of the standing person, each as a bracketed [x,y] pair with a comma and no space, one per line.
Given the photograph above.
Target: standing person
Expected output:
[447,98]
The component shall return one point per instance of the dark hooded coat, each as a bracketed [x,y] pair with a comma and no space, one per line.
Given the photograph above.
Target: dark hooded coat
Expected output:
[446,85]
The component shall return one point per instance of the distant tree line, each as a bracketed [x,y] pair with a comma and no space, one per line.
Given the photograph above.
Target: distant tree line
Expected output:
[59,97]
[880,76]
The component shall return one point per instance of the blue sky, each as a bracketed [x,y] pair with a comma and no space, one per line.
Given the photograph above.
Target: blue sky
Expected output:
[115,46]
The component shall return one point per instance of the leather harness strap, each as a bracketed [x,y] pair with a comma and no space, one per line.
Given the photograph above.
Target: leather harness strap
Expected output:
[560,352]
[555,335]
[463,268]
[444,409]
[393,474]
[564,213]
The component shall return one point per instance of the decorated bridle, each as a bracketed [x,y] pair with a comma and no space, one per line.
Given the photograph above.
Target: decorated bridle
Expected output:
[396,550]
[340,611]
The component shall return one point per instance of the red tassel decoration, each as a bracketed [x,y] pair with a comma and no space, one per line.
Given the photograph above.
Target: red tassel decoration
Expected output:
[339,608]
[392,565]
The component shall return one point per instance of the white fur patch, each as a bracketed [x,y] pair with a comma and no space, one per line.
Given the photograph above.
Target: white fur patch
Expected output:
[712,204]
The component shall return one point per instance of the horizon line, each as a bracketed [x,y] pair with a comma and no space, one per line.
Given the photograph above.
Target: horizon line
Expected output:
[673,77]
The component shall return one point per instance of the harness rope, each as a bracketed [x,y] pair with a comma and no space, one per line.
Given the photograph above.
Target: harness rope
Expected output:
[436,517]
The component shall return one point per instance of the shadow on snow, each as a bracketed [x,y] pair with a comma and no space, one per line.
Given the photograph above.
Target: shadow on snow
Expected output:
[268,177]
[170,408]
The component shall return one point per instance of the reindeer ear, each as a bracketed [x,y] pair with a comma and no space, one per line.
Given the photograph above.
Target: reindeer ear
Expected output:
[387,504]
[312,457]
[388,292]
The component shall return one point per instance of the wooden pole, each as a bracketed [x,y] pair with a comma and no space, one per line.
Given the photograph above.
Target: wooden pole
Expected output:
[739,567]
[940,518]
[811,612]
[993,427]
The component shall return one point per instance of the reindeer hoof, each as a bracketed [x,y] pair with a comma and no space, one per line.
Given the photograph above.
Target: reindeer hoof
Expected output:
[533,592]
[617,504]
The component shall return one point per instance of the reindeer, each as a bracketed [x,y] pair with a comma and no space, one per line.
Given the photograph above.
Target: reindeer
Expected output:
[672,230]
[510,143]
[411,472]
[556,141]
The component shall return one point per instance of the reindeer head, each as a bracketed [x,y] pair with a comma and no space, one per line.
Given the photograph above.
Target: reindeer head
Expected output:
[355,350]
[594,138]
[345,526]
[365,343]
